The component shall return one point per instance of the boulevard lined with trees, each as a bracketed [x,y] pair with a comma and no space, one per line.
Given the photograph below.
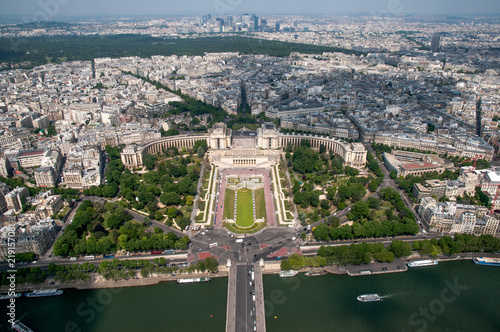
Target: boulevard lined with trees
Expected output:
[365,253]
[110,269]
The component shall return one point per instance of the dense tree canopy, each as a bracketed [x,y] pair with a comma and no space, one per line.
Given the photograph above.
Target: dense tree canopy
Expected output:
[400,219]
[305,160]
[90,233]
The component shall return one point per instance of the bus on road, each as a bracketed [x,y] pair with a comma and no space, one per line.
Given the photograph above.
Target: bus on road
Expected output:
[211,245]
[89,257]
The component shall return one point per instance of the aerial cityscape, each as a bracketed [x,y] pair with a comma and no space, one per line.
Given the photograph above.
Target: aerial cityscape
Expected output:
[192,166]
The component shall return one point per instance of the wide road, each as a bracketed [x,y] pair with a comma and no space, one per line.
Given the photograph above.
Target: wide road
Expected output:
[313,247]
[178,258]
[49,252]
[245,306]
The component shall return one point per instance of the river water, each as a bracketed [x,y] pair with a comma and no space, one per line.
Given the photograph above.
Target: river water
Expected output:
[453,296]
[163,307]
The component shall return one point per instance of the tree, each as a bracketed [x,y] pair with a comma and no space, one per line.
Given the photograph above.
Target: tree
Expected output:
[373,203]
[183,222]
[322,232]
[61,248]
[374,184]
[314,199]
[304,159]
[158,215]
[400,248]
[200,152]
[151,177]
[333,221]
[51,131]
[170,198]
[182,243]
[349,171]
[149,161]
[52,268]
[481,196]
[296,261]
[360,209]
[331,191]
[172,212]
[344,192]
[170,132]
[212,264]
[114,221]
[384,256]
[285,264]
[111,190]
[158,230]
[113,152]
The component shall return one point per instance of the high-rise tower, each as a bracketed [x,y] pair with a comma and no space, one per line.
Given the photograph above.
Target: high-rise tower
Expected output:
[255,20]
[435,43]
[478,117]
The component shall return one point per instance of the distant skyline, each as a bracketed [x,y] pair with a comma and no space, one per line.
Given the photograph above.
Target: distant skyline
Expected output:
[39,10]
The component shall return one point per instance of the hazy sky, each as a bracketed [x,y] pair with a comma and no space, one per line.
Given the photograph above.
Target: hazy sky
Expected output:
[53,9]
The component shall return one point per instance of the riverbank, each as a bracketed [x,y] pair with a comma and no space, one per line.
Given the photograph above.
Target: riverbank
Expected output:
[290,303]
[398,265]
[101,283]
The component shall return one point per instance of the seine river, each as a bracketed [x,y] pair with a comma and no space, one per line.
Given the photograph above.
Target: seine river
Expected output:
[453,296]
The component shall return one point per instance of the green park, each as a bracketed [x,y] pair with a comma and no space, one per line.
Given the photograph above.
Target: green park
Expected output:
[244,208]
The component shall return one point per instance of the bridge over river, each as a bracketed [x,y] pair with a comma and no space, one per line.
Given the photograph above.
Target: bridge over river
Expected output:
[245,300]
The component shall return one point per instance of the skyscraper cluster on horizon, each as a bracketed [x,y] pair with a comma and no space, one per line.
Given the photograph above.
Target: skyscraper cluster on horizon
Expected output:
[245,22]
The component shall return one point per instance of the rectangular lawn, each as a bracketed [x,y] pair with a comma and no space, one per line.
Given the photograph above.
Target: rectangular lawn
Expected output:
[229,204]
[260,204]
[244,212]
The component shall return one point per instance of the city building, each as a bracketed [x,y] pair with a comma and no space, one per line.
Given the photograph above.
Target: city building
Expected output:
[455,145]
[41,122]
[410,163]
[265,138]
[45,177]
[450,217]
[435,43]
[34,237]
[438,189]
[16,198]
[4,190]
[48,205]
[5,168]
[30,158]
